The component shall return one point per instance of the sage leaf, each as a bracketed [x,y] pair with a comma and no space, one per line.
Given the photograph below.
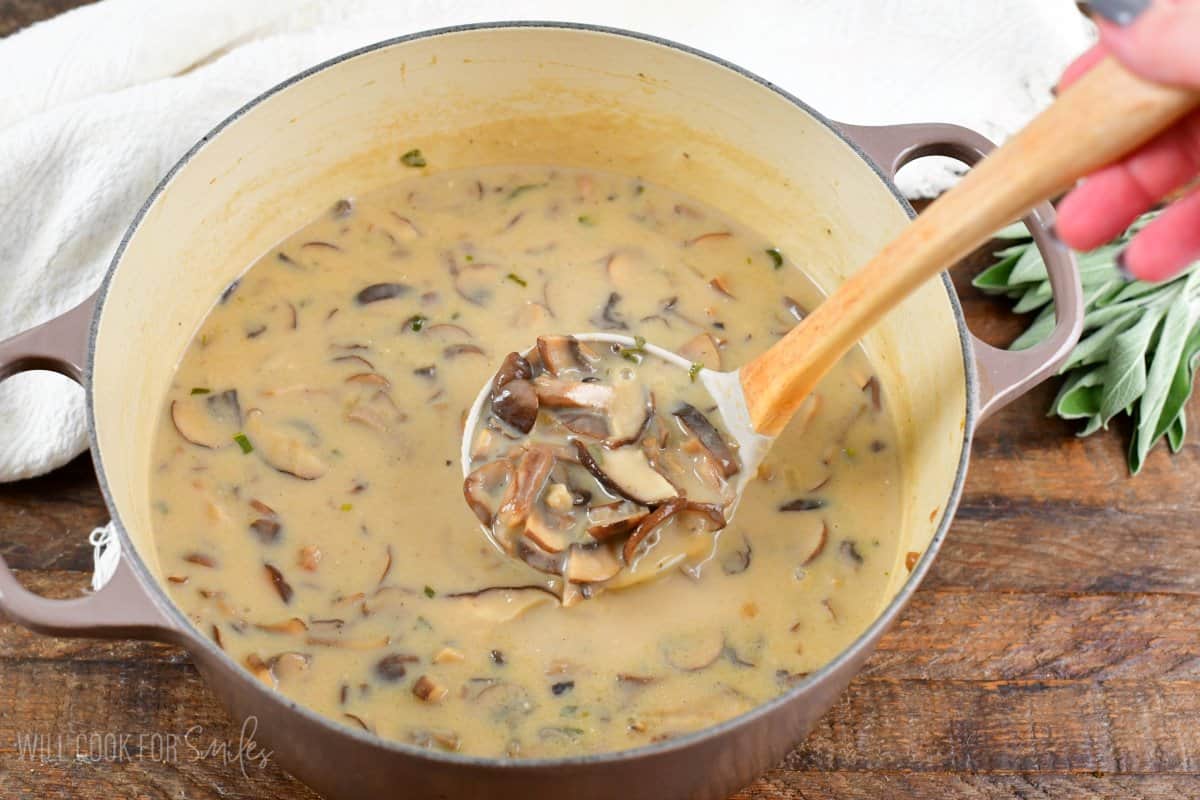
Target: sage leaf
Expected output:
[1125,372]
[1140,350]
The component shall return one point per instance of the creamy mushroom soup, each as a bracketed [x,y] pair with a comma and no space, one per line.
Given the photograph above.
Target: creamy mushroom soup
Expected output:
[309,499]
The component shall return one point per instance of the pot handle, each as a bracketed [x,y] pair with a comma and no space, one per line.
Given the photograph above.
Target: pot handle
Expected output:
[124,607]
[1004,375]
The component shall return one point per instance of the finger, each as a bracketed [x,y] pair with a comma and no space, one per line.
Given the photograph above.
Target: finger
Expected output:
[1079,66]
[1107,202]
[1168,245]
[1160,45]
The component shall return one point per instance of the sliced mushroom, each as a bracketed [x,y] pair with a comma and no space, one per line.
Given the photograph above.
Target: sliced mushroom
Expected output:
[281,447]
[584,422]
[612,520]
[428,690]
[550,532]
[591,563]
[558,393]
[482,487]
[563,355]
[293,626]
[631,412]
[626,472]
[282,587]
[381,291]
[647,526]
[694,650]
[287,666]
[532,470]
[393,667]
[709,437]
[514,367]
[259,669]
[208,420]
[516,402]
[702,349]
[497,604]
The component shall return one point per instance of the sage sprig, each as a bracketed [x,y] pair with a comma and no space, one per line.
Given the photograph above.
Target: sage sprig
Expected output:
[1140,345]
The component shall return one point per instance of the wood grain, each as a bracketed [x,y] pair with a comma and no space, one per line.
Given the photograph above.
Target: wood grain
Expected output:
[1053,652]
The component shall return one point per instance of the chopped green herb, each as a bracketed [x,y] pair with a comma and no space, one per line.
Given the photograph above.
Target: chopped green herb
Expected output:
[517,279]
[639,189]
[456,315]
[749,260]
[347,507]
[416,322]
[776,257]
[470,258]
[413,158]
[243,443]
[429,592]
[636,352]
[585,219]
[421,622]
[523,188]
[200,390]
[694,370]
[161,507]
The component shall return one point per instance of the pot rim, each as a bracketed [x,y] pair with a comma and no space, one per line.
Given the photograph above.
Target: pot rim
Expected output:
[191,639]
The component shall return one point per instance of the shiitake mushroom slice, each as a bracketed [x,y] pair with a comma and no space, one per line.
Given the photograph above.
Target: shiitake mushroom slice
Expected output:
[208,420]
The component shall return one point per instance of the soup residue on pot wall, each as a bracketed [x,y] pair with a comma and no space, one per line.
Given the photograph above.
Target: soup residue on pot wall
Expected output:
[308,497]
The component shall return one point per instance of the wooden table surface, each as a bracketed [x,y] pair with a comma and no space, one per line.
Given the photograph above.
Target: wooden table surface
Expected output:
[1053,651]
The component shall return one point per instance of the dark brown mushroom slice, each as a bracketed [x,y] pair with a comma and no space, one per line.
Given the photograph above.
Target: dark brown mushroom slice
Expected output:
[609,318]
[712,440]
[613,520]
[848,548]
[803,504]
[583,422]
[266,529]
[559,393]
[393,667]
[357,360]
[208,420]
[514,367]
[820,548]
[564,354]
[626,473]
[201,560]
[720,285]
[875,391]
[282,587]
[480,488]
[381,291]
[594,562]
[648,525]
[498,604]
[516,402]
[539,559]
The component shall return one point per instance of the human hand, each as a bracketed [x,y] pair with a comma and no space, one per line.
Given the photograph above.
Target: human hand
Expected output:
[1161,44]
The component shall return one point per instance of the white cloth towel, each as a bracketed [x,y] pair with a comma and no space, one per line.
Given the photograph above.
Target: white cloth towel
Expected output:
[95,105]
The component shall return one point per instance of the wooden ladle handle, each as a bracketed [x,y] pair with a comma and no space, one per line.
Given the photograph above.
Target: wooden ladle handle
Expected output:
[1104,115]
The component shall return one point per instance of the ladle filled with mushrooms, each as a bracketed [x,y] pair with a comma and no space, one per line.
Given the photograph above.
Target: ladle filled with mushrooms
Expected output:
[604,460]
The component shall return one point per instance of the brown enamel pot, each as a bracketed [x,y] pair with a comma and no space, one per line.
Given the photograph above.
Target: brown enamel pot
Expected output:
[519,93]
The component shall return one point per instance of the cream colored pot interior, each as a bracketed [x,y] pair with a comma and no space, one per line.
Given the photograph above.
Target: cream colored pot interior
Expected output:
[515,95]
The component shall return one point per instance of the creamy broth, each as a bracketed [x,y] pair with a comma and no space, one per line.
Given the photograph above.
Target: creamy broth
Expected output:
[308,496]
